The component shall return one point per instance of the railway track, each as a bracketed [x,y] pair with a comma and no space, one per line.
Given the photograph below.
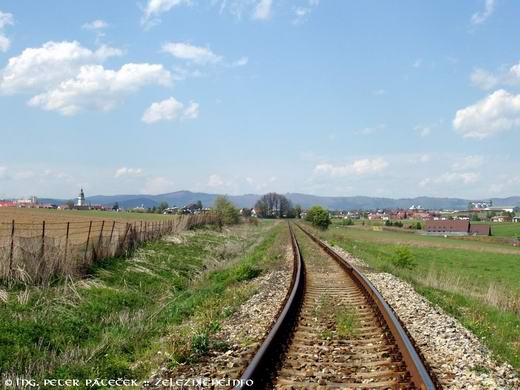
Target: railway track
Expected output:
[335,331]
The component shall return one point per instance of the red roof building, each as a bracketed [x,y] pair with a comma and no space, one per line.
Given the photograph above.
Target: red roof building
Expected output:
[457,227]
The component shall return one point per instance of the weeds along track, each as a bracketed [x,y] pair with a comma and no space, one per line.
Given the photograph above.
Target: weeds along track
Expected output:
[335,331]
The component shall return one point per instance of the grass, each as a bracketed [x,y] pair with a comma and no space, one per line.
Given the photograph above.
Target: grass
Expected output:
[128,312]
[477,282]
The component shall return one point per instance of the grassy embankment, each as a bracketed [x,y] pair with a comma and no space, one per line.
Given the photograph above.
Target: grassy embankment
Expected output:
[476,282]
[119,322]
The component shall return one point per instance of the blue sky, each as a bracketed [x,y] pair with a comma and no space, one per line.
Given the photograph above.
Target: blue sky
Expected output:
[377,98]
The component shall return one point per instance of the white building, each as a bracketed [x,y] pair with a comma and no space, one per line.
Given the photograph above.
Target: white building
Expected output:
[80,202]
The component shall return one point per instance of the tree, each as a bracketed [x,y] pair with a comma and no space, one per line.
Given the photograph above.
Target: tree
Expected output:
[319,217]
[298,211]
[273,205]
[199,205]
[163,206]
[226,213]
[115,207]
[70,204]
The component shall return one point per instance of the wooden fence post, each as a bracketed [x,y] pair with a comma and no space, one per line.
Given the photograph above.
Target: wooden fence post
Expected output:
[101,233]
[88,240]
[141,232]
[11,252]
[66,243]
[42,252]
[112,232]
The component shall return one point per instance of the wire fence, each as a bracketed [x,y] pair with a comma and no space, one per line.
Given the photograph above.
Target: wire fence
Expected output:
[38,252]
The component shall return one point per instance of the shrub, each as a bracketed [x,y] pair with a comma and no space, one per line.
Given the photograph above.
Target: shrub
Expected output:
[347,222]
[319,217]
[226,213]
[403,258]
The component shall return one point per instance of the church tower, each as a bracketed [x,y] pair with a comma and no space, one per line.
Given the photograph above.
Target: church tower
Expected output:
[81,199]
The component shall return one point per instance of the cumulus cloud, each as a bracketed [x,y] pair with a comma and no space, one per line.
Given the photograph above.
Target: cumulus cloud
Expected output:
[196,54]
[488,80]
[95,25]
[358,167]
[170,110]
[263,10]
[452,177]
[242,61]
[6,19]
[482,16]
[497,113]
[468,162]
[48,65]
[98,88]
[216,181]
[154,8]
[301,14]
[128,172]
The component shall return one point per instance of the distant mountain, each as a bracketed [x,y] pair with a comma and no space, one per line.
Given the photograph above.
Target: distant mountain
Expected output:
[182,198]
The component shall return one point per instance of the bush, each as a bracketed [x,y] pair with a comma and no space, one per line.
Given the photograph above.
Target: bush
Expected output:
[403,258]
[319,217]
[347,222]
[226,213]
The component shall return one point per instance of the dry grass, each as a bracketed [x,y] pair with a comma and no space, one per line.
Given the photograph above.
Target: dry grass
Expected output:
[495,295]
[34,254]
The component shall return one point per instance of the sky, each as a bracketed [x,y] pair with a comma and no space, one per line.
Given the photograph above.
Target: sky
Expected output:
[340,98]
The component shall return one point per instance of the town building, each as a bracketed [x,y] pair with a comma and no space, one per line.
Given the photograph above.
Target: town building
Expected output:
[456,228]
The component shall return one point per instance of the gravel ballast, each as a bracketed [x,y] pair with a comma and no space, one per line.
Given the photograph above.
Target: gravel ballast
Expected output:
[243,332]
[457,357]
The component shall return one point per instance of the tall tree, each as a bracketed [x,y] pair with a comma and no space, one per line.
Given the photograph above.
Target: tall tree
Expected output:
[273,205]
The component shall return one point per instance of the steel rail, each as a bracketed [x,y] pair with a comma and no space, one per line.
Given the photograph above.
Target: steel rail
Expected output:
[420,375]
[261,366]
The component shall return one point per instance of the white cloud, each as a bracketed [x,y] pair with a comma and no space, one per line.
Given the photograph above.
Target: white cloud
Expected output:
[98,88]
[97,24]
[157,185]
[417,63]
[6,19]
[487,80]
[358,167]
[154,8]
[370,130]
[301,14]
[3,172]
[195,54]
[452,177]
[192,111]
[497,113]
[170,110]
[379,92]
[166,110]
[48,65]
[215,181]
[468,162]
[263,10]
[5,43]
[423,131]
[482,16]
[242,61]
[127,172]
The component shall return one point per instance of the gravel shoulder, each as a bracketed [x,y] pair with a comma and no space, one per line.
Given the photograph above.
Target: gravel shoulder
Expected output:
[457,357]
[242,333]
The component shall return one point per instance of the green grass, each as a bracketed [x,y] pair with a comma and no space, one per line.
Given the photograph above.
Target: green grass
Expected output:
[504,229]
[114,323]
[476,283]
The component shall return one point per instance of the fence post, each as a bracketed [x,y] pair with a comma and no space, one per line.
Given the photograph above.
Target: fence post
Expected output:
[141,231]
[112,232]
[101,233]
[66,243]
[11,252]
[42,253]
[88,240]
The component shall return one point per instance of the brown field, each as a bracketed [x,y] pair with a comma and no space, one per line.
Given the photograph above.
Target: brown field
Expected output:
[43,244]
